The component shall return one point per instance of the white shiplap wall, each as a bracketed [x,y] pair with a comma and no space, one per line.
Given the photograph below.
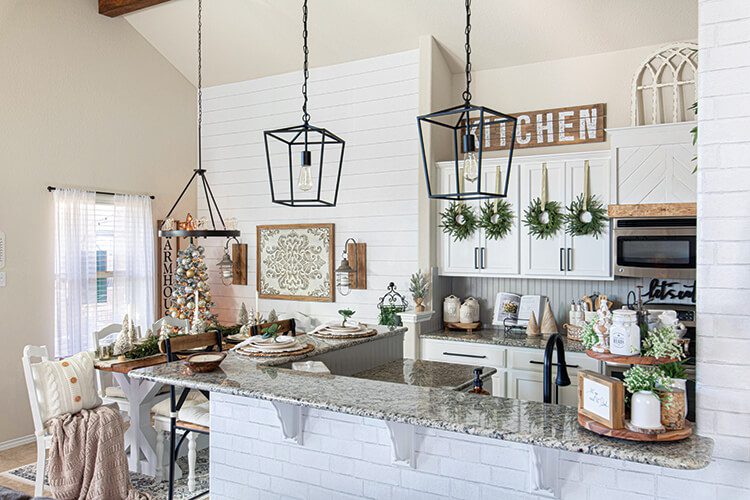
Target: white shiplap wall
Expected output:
[372,104]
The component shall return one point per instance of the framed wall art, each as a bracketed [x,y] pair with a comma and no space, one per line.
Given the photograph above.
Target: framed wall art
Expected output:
[295,262]
[601,399]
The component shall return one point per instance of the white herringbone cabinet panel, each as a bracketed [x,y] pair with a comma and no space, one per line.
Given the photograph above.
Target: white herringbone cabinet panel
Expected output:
[655,174]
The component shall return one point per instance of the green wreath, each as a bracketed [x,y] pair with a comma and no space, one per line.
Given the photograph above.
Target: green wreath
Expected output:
[538,228]
[496,218]
[580,225]
[459,221]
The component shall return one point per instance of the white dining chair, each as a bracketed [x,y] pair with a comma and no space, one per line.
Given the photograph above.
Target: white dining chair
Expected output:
[170,321]
[109,392]
[37,354]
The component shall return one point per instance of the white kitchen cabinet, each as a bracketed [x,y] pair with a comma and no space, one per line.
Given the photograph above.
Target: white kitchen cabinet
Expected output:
[562,255]
[469,353]
[520,254]
[479,255]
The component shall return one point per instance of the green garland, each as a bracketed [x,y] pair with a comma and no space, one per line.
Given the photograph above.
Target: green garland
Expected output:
[449,217]
[576,226]
[531,218]
[502,213]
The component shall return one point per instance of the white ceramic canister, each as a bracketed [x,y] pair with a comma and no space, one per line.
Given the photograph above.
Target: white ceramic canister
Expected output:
[645,410]
[469,312]
[451,307]
[624,334]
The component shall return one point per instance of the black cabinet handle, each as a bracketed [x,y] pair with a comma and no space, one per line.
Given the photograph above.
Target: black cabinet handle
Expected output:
[476,251]
[556,364]
[570,259]
[481,257]
[562,257]
[464,355]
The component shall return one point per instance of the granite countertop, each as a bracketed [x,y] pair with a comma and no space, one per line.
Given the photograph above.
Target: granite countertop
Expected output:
[498,337]
[546,425]
[323,346]
[427,374]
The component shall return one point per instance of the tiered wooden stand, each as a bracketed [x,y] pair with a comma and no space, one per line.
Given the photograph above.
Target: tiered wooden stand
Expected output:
[469,327]
[667,435]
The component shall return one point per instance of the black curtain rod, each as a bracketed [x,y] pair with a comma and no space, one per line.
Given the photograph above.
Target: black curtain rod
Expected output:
[107,193]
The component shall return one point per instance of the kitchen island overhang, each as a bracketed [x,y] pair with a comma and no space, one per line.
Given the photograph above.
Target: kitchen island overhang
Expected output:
[533,423]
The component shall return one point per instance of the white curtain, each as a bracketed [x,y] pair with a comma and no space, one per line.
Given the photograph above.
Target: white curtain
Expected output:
[75,270]
[134,275]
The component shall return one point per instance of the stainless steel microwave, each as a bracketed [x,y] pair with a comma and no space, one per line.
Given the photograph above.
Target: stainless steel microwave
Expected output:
[654,247]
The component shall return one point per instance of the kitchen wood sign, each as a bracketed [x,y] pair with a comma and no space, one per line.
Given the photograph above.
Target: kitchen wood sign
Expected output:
[549,127]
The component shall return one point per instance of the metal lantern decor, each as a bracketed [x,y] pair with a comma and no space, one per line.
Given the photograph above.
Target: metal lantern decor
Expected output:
[390,305]
[469,128]
[344,269]
[300,157]
[188,229]
[225,265]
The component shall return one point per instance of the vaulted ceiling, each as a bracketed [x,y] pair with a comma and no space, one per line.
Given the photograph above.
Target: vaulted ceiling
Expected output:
[245,39]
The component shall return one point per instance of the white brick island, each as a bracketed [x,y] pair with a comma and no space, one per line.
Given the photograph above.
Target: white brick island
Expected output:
[281,433]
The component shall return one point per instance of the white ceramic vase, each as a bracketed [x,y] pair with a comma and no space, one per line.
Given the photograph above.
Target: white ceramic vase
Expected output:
[451,306]
[681,383]
[469,311]
[645,410]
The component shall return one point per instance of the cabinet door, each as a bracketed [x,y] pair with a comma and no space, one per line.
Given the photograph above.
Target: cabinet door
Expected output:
[587,256]
[542,257]
[501,256]
[457,257]
[525,385]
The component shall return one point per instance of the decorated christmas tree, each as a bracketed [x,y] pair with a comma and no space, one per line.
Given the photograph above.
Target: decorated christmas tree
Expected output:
[191,281]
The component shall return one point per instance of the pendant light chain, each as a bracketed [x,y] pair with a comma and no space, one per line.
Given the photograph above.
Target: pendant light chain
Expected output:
[200,80]
[467,46]
[306,71]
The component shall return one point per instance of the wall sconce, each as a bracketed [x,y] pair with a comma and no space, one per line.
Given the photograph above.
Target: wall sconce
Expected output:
[348,277]
[233,270]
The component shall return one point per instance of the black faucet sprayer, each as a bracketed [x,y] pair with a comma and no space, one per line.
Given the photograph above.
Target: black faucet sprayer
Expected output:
[555,342]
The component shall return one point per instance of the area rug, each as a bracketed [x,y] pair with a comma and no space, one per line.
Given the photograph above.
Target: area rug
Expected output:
[145,484]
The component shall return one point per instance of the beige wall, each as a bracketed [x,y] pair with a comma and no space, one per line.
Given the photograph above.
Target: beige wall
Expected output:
[85,101]
[591,79]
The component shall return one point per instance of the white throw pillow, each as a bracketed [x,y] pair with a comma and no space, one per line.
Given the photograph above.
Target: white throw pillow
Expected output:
[65,386]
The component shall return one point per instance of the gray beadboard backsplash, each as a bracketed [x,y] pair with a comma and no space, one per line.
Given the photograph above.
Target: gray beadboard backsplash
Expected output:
[559,293]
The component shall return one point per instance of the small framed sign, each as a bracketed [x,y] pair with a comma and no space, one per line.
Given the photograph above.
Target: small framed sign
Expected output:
[601,399]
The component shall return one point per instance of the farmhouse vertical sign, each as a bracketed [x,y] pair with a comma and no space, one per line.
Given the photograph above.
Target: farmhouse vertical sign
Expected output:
[549,127]
[167,258]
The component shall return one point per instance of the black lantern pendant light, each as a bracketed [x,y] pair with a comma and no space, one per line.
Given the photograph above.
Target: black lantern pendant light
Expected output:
[167,229]
[468,127]
[296,154]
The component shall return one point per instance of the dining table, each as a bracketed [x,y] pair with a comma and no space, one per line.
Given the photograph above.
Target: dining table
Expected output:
[142,395]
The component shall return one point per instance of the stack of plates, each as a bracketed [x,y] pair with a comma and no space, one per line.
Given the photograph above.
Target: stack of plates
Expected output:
[282,345]
[337,330]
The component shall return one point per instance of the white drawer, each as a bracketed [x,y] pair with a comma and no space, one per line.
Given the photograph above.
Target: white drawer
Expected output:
[463,353]
[533,359]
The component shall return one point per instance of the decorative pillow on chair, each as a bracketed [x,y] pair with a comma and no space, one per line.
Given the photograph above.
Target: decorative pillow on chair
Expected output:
[66,386]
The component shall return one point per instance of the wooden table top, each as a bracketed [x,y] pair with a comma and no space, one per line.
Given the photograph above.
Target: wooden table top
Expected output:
[113,365]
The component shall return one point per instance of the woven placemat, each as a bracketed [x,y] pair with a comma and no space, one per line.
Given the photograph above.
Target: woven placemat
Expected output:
[370,333]
[304,350]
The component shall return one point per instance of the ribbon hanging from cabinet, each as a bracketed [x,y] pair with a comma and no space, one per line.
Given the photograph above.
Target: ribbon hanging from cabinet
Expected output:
[544,187]
[498,173]
[586,169]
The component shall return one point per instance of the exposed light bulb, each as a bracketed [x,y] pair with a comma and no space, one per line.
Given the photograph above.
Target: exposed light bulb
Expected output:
[344,286]
[471,166]
[304,181]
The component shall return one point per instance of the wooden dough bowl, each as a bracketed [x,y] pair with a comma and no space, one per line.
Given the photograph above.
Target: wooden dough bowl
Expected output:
[665,436]
[464,326]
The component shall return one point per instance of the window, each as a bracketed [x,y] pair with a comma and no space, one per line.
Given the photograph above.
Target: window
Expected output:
[104,265]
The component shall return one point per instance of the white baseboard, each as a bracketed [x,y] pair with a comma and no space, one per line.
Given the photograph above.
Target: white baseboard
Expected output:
[12,443]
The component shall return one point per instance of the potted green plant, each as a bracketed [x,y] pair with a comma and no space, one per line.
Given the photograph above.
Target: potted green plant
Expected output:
[589,338]
[663,343]
[419,286]
[271,332]
[643,382]
[346,314]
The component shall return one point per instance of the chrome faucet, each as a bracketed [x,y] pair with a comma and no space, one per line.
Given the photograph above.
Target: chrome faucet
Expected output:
[554,342]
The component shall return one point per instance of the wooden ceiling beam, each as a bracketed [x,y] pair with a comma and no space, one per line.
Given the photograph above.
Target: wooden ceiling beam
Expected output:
[115,8]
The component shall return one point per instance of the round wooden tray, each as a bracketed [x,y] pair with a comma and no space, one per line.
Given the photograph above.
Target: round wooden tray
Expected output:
[665,436]
[464,326]
[304,350]
[629,360]
[370,333]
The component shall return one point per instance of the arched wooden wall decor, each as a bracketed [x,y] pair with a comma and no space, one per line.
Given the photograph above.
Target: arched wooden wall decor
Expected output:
[664,86]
